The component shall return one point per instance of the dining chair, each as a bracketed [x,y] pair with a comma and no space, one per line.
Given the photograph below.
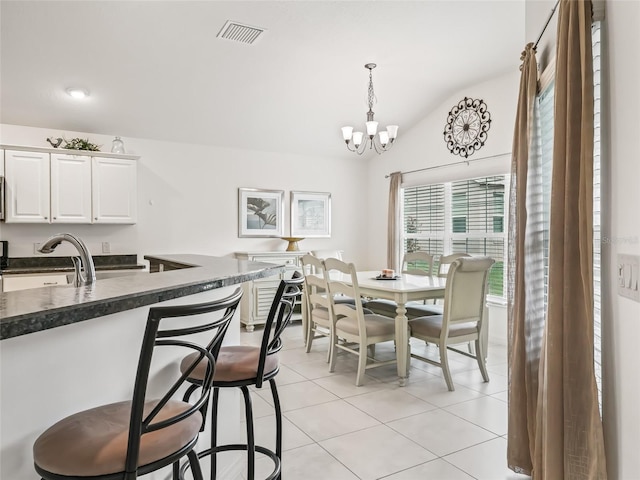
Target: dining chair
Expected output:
[413,263]
[318,309]
[355,330]
[124,440]
[444,263]
[463,315]
[324,254]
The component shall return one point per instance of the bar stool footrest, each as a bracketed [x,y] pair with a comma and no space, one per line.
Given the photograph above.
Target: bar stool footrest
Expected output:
[241,447]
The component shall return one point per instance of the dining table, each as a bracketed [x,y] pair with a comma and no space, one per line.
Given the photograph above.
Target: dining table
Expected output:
[401,289]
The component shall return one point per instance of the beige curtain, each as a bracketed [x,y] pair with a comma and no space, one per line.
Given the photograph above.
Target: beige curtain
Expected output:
[569,441]
[523,358]
[393,230]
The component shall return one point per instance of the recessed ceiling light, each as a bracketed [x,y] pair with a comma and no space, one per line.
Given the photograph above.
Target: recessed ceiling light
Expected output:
[78,92]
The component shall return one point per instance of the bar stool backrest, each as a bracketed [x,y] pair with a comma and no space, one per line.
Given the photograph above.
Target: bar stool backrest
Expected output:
[143,422]
[284,301]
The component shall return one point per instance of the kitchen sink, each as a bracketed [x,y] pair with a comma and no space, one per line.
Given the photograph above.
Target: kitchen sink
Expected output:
[103,275]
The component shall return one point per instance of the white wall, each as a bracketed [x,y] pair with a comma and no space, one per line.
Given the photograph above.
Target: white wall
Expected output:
[188,196]
[621,221]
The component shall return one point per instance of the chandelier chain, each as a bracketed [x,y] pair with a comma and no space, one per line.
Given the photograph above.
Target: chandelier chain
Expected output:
[372,95]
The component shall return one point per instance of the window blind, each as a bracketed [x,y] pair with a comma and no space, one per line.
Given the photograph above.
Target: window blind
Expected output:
[477,223]
[597,231]
[424,218]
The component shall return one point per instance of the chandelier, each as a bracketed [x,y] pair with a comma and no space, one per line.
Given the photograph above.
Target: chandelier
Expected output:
[378,141]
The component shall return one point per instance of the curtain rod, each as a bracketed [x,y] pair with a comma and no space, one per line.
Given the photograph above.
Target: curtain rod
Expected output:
[553,10]
[452,164]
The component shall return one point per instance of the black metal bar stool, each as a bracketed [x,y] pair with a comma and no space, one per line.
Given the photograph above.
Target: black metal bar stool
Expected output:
[124,440]
[244,366]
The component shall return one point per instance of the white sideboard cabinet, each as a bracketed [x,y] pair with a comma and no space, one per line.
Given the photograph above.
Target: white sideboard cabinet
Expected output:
[258,294]
[46,185]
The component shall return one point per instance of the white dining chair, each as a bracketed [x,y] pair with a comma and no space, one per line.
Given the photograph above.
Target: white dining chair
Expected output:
[444,263]
[354,329]
[463,315]
[318,309]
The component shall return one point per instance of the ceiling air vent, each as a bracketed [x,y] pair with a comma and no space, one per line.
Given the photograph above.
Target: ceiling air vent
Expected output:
[239,32]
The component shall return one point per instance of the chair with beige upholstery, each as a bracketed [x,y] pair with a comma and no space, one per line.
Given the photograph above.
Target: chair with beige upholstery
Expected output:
[125,440]
[318,311]
[462,320]
[444,262]
[353,325]
[413,263]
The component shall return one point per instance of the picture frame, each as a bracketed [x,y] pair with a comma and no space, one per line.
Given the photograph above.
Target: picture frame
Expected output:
[310,214]
[260,213]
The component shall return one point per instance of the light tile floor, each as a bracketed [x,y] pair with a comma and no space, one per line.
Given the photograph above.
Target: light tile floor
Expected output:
[335,430]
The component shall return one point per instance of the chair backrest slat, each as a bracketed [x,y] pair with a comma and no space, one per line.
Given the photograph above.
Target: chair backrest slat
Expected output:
[417,263]
[338,287]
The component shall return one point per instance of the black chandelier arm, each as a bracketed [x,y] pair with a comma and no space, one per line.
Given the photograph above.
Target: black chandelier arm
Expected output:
[359,150]
[370,143]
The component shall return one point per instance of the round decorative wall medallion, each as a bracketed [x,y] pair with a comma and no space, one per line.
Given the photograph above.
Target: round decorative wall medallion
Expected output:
[466,129]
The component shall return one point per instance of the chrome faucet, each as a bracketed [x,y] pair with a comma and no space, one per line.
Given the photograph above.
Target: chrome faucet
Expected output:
[85,271]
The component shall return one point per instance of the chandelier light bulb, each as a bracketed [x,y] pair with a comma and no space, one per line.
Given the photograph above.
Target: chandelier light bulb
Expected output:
[78,93]
[380,142]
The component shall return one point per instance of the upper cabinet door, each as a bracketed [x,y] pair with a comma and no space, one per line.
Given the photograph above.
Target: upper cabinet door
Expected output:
[114,190]
[70,188]
[27,186]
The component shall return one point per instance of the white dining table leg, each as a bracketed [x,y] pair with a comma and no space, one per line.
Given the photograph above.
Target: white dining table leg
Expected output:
[402,342]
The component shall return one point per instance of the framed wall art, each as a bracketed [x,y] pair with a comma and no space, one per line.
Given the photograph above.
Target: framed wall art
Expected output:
[260,213]
[310,214]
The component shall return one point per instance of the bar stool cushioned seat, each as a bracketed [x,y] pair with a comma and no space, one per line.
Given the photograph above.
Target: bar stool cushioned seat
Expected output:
[235,363]
[94,442]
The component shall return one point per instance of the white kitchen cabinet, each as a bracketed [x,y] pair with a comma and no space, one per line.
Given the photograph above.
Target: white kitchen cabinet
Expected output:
[27,182]
[258,294]
[45,185]
[70,188]
[114,187]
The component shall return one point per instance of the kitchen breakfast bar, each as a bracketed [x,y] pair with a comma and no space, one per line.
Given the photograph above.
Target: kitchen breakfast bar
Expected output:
[65,349]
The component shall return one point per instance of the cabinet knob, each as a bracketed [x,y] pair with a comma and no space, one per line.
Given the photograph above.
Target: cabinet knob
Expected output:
[46,218]
[55,218]
[96,218]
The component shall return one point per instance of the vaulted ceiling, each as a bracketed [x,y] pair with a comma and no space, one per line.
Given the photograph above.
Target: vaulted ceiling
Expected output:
[157,70]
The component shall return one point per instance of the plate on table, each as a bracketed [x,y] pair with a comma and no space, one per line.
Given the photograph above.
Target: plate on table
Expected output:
[380,277]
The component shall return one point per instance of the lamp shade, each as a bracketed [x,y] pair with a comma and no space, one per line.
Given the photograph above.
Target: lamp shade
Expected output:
[372,128]
[393,131]
[384,137]
[346,133]
[357,138]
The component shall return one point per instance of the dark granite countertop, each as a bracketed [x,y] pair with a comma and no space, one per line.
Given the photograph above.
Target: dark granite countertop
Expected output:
[50,264]
[28,311]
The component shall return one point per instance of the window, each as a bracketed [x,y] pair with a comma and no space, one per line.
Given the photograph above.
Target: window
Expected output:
[544,135]
[464,216]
